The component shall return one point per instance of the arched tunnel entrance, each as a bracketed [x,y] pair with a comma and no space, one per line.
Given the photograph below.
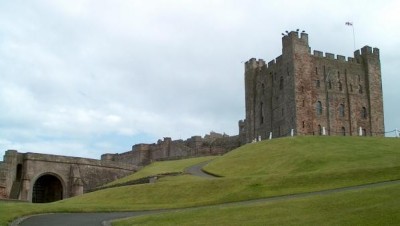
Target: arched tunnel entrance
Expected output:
[47,188]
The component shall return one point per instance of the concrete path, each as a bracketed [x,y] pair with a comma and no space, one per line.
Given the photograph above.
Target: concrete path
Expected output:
[97,219]
[78,219]
[197,170]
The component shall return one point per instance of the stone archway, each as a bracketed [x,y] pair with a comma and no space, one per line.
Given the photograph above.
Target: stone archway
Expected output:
[47,188]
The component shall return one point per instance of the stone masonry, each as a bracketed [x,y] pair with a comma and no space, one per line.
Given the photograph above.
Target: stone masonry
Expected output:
[168,149]
[312,93]
[43,178]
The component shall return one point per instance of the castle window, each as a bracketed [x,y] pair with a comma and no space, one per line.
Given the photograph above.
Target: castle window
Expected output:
[303,103]
[302,89]
[340,86]
[319,130]
[343,131]
[318,83]
[261,113]
[304,124]
[319,108]
[263,88]
[341,110]
[360,90]
[338,74]
[359,78]
[281,83]
[364,113]
[364,132]
[316,70]
[330,84]
[19,172]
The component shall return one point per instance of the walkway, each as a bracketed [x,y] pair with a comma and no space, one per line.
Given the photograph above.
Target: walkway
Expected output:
[97,219]
[197,170]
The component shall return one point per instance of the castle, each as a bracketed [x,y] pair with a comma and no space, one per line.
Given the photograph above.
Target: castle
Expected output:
[299,92]
[311,93]
[45,178]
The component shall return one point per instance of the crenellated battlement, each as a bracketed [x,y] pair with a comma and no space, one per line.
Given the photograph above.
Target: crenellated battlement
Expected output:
[366,50]
[253,63]
[294,36]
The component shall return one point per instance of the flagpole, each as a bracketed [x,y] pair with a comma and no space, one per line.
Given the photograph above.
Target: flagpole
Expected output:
[354,36]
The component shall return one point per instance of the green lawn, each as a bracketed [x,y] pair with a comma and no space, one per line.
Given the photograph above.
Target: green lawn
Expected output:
[305,155]
[163,167]
[377,206]
[264,169]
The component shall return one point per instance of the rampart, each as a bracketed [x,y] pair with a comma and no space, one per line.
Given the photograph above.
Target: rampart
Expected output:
[168,149]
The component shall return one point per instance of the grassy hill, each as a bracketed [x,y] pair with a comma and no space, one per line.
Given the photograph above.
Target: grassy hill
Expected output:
[163,167]
[309,155]
[263,169]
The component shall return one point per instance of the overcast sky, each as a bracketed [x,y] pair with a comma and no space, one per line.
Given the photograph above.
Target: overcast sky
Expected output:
[87,77]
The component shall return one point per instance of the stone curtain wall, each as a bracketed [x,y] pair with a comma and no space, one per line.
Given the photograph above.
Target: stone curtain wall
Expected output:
[167,149]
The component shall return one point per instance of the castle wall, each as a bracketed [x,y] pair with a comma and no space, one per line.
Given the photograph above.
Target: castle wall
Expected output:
[77,175]
[143,154]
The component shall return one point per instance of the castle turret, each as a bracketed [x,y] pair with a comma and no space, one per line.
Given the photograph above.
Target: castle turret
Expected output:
[371,62]
[292,43]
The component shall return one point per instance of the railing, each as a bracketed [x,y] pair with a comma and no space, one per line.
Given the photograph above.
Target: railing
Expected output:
[324,132]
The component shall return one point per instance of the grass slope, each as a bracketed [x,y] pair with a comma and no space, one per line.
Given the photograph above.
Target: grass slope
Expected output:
[309,155]
[174,166]
[377,206]
[268,168]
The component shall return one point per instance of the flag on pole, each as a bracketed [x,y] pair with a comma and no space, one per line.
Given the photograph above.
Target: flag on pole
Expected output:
[349,23]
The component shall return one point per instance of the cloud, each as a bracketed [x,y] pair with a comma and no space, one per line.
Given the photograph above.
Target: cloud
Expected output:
[90,77]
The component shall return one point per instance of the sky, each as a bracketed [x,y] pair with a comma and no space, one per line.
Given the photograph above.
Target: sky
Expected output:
[84,78]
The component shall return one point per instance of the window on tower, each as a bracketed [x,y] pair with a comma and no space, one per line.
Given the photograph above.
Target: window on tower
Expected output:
[341,110]
[261,113]
[319,108]
[364,113]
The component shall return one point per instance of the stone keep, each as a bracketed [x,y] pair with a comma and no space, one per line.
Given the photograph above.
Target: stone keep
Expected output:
[308,91]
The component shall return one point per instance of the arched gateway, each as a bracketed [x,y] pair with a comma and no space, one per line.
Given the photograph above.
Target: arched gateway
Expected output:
[47,188]
[41,178]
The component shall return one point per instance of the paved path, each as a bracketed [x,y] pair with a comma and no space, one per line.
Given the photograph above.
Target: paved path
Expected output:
[197,170]
[89,219]
[78,219]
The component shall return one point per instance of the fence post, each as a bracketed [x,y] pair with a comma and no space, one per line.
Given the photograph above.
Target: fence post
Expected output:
[292,132]
[360,131]
[270,135]
[323,131]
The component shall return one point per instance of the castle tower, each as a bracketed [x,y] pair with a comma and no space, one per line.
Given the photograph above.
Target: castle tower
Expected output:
[371,62]
[308,91]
